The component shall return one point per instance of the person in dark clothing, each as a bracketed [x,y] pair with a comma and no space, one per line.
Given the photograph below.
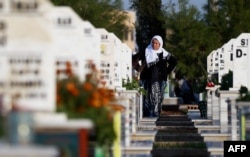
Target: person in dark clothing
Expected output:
[157,64]
[184,90]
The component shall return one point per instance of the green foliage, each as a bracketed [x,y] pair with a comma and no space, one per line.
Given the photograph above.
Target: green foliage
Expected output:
[88,99]
[199,85]
[150,22]
[244,94]
[106,14]
[230,18]
[191,36]
[133,85]
[227,81]
[190,40]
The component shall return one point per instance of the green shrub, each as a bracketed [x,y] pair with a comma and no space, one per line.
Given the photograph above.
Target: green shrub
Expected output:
[133,85]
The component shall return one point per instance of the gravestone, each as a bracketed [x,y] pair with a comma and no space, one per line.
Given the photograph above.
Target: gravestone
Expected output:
[226,59]
[228,56]
[241,64]
[111,60]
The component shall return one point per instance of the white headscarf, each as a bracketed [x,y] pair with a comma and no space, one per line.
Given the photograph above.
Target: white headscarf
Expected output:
[151,54]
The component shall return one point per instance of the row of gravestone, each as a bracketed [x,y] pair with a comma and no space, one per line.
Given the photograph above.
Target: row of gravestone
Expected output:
[225,111]
[222,107]
[175,135]
[232,56]
[221,111]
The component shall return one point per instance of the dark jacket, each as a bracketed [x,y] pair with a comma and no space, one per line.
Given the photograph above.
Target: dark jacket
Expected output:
[161,69]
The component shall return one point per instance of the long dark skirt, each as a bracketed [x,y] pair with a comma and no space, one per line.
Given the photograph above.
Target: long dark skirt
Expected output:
[153,99]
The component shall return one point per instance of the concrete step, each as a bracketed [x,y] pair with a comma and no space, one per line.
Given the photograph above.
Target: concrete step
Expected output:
[177,115]
[173,118]
[216,148]
[174,127]
[216,152]
[143,136]
[172,130]
[147,120]
[146,124]
[202,122]
[146,127]
[178,129]
[178,137]
[180,144]
[180,152]
[216,136]
[202,128]
[154,127]
[172,101]
[137,150]
[174,123]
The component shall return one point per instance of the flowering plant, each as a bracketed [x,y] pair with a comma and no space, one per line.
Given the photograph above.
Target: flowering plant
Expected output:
[88,99]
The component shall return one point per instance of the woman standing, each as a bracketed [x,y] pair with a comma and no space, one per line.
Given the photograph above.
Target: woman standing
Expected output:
[157,65]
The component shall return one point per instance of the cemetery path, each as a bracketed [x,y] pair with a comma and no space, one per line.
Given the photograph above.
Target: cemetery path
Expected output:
[177,136]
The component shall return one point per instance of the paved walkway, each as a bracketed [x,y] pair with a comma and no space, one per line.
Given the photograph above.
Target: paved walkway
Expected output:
[147,145]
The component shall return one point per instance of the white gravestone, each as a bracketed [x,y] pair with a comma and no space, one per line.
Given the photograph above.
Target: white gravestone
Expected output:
[241,62]
[228,56]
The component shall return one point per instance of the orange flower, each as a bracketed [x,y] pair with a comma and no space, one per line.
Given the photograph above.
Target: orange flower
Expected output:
[70,86]
[75,92]
[95,95]
[87,99]
[105,100]
[87,86]
[102,91]
[94,102]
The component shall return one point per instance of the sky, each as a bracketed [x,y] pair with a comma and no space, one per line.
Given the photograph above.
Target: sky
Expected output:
[198,3]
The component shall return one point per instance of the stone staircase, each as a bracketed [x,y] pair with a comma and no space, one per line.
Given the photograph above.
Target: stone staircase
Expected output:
[177,137]
[179,131]
[210,133]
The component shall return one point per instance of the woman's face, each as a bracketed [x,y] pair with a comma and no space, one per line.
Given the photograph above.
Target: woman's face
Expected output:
[155,44]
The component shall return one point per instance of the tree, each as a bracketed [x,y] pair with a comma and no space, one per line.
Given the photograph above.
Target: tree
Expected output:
[150,22]
[229,19]
[190,40]
[106,14]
